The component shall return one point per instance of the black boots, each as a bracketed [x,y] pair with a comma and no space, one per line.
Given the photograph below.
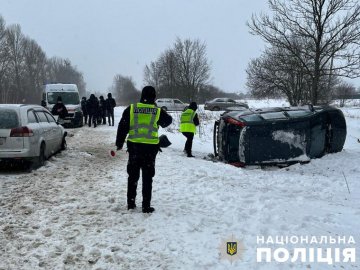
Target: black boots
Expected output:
[148,209]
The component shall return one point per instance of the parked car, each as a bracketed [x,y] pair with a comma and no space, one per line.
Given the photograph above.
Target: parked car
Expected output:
[171,104]
[221,104]
[29,133]
[278,135]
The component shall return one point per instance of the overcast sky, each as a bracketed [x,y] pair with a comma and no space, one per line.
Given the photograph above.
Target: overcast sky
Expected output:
[108,37]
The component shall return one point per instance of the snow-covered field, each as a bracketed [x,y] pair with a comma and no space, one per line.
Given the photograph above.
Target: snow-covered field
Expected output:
[71,213]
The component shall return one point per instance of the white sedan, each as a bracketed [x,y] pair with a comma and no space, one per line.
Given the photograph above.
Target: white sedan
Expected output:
[29,133]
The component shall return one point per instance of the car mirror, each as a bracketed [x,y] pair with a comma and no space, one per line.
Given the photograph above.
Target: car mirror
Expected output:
[43,103]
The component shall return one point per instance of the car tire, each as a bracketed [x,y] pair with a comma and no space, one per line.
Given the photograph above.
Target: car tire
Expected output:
[42,158]
[164,108]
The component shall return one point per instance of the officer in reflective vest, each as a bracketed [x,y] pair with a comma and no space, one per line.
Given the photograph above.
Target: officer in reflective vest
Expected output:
[188,122]
[140,122]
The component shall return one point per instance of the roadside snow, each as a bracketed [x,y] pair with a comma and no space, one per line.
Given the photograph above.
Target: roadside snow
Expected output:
[71,213]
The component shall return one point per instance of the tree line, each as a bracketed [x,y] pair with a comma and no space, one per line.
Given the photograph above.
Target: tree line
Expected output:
[24,67]
[182,71]
[312,45]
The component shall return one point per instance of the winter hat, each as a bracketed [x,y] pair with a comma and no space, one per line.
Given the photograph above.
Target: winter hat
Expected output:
[59,98]
[193,106]
[109,95]
[148,95]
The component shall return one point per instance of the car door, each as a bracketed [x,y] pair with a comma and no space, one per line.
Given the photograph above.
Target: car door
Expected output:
[220,103]
[46,131]
[35,126]
[56,132]
[178,105]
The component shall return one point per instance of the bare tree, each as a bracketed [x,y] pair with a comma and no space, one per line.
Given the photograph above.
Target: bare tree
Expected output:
[14,43]
[180,71]
[343,92]
[124,89]
[60,70]
[152,74]
[4,63]
[193,67]
[331,29]
[34,73]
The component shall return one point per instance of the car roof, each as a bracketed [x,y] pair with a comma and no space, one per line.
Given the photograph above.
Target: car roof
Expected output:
[18,106]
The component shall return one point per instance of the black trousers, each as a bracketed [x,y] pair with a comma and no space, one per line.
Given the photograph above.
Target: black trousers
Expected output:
[85,118]
[110,114]
[189,141]
[92,120]
[146,163]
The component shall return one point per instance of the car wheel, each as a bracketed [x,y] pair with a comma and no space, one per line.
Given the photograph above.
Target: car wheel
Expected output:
[216,108]
[41,159]
[164,108]
[63,144]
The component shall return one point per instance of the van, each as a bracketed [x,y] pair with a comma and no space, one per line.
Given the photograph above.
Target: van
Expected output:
[71,99]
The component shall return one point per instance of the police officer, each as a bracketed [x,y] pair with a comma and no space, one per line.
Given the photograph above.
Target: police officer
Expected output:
[188,122]
[141,121]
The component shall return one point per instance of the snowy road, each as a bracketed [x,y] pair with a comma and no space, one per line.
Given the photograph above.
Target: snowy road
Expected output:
[71,213]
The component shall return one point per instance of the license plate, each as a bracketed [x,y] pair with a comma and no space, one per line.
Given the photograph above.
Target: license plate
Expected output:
[67,121]
[2,141]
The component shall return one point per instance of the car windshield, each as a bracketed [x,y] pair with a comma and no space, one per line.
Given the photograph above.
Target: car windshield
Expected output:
[67,97]
[8,119]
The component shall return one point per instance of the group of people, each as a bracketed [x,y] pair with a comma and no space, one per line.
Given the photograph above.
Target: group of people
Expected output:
[139,124]
[96,110]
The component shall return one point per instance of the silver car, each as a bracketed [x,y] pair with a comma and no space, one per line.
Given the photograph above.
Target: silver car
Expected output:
[171,104]
[29,133]
[221,104]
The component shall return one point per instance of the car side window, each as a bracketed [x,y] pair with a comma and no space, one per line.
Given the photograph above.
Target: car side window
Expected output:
[231,100]
[177,101]
[50,118]
[31,117]
[42,117]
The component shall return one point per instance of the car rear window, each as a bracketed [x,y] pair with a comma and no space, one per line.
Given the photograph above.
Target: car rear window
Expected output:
[298,113]
[8,119]
[273,115]
[251,118]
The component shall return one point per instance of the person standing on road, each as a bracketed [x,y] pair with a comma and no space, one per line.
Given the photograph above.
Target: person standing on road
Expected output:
[84,110]
[140,122]
[110,105]
[59,109]
[103,110]
[188,122]
[92,106]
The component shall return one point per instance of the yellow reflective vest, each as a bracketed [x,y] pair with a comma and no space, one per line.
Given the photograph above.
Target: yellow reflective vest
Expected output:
[187,121]
[143,123]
